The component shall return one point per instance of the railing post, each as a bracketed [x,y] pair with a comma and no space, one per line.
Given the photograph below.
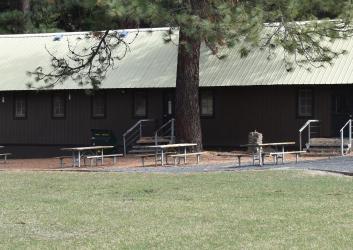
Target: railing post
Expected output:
[172,132]
[124,142]
[300,141]
[156,138]
[140,130]
[350,134]
[309,133]
[342,153]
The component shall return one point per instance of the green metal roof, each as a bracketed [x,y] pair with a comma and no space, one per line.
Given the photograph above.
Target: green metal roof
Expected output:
[152,63]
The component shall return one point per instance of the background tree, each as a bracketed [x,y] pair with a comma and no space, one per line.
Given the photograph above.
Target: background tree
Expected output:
[218,24]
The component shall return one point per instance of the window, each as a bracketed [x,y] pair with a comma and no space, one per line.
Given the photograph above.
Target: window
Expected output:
[207,103]
[140,104]
[59,106]
[305,103]
[338,105]
[20,107]
[98,106]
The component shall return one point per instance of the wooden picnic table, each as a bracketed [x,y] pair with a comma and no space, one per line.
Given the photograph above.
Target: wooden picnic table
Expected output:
[79,152]
[270,144]
[163,148]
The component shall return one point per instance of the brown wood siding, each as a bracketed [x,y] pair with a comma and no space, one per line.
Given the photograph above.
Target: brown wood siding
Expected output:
[238,110]
[270,110]
[40,128]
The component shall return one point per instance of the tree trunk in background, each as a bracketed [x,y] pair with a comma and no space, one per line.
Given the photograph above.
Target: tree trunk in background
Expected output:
[26,9]
[25,6]
[188,123]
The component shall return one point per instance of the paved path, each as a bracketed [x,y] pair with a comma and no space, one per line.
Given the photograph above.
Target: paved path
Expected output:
[342,165]
[339,165]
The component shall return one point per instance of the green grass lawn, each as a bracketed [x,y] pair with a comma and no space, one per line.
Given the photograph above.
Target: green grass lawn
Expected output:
[254,210]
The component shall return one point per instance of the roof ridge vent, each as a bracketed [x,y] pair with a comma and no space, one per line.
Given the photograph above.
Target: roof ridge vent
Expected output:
[123,34]
[58,37]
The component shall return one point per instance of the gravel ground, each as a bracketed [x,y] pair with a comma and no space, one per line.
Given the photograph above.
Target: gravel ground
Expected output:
[210,163]
[343,165]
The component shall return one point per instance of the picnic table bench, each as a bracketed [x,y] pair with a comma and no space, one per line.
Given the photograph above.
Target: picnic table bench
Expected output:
[280,155]
[158,157]
[101,157]
[239,156]
[260,155]
[143,157]
[79,153]
[62,158]
[5,155]
[161,150]
[184,155]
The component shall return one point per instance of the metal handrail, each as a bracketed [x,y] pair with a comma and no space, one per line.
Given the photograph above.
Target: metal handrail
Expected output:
[137,125]
[349,122]
[306,125]
[171,122]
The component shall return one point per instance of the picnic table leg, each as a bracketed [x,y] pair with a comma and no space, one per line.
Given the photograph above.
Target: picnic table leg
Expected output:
[73,159]
[162,157]
[79,158]
[260,156]
[184,155]
[102,156]
[155,157]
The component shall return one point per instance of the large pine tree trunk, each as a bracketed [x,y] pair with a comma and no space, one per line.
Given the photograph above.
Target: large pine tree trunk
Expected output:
[26,6]
[188,124]
[26,9]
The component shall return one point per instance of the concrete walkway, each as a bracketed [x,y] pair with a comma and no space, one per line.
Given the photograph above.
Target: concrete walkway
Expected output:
[343,165]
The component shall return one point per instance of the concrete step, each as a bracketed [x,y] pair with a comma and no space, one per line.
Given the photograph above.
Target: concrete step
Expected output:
[327,142]
[324,150]
[322,154]
[151,140]
[141,151]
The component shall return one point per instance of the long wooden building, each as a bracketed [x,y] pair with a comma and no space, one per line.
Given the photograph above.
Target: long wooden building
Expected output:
[237,95]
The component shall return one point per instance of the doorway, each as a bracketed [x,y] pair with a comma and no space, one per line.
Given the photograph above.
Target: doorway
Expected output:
[341,112]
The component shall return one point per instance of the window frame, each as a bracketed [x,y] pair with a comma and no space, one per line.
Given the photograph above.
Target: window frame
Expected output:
[52,106]
[15,98]
[212,92]
[334,105]
[104,96]
[300,116]
[145,95]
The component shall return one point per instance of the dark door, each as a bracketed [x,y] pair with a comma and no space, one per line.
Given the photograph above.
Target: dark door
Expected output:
[341,112]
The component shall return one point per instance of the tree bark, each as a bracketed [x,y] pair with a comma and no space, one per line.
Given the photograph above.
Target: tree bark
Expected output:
[25,6]
[188,123]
